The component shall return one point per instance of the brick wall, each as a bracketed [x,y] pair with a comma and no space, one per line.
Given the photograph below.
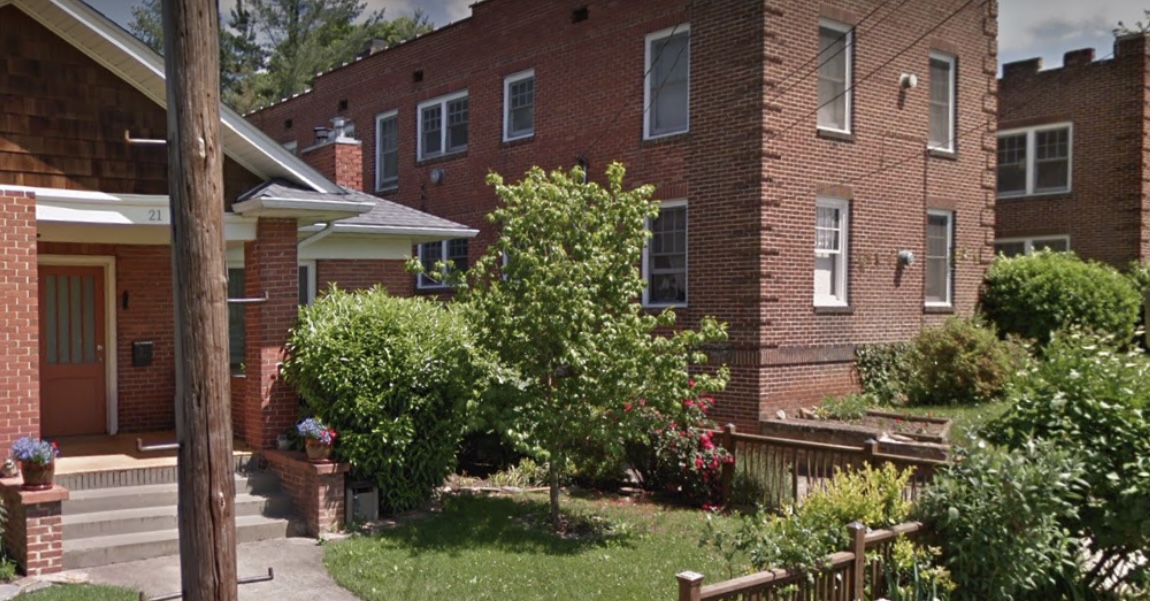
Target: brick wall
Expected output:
[751,166]
[1106,214]
[363,274]
[19,320]
[341,161]
[316,489]
[34,532]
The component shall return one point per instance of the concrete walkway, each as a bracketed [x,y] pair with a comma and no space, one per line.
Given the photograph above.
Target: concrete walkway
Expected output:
[297,562]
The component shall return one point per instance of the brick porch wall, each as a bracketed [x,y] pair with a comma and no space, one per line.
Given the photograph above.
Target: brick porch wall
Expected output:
[316,489]
[19,319]
[363,274]
[34,532]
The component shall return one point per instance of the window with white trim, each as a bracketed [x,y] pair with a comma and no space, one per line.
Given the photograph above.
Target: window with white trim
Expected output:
[942,94]
[836,47]
[832,227]
[453,251]
[939,264]
[443,126]
[668,82]
[236,334]
[387,150]
[307,283]
[1034,160]
[519,106]
[1013,247]
[665,257]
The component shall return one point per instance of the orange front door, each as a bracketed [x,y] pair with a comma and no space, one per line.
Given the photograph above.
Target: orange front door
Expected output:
[73,395]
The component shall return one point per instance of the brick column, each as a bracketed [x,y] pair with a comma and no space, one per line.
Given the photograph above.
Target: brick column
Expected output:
[19,319]
[316,489]
[34,533]
[270,266]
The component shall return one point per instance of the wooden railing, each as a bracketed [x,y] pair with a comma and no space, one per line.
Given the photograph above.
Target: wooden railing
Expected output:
[847,576]
[775,472]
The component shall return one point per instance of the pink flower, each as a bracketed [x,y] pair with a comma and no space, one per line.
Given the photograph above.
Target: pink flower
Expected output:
[627,407]
[691,383]
[688,403]
[699,463]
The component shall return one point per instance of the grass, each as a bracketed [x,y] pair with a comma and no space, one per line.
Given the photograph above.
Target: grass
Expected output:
[81,592]
[501,548]
[967,419]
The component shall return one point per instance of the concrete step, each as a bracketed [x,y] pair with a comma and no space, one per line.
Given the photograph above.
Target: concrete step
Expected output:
[164,517]
[155,495]
[163,474]
[104,550]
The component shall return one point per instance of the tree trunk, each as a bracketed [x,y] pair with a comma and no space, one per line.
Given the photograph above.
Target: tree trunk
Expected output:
[556,465]
[195,184]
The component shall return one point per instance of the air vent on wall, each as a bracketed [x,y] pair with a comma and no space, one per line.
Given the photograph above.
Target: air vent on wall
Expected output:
[417,76]
[579,14]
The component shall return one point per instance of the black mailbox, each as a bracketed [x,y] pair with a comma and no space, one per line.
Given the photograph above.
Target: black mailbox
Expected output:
[142,353]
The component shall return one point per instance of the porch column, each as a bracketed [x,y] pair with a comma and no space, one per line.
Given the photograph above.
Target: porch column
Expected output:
[19,319]
[270,266]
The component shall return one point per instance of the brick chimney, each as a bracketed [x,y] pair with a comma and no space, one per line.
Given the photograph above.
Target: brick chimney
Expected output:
[337,155]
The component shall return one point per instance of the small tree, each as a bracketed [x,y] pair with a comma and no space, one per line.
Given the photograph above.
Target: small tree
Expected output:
[556,298]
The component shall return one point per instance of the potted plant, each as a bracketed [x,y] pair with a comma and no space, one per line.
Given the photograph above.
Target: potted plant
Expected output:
[318,439]
[37,462]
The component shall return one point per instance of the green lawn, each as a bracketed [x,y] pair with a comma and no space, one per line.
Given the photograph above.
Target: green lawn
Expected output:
[966,419]
[500,548]
[81,592]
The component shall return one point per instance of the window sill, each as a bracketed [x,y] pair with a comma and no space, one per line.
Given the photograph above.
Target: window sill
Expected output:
[388,189]
[442,158]
[835,134]
[1063,195]
[940,153]
[938,309]
[666,138]
[834,310]
[518,141]
[657,308]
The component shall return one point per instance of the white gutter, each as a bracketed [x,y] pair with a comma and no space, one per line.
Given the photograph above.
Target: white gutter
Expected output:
[312,239]
[356,228]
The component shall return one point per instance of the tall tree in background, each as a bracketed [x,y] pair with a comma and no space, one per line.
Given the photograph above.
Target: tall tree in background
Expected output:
[271,49]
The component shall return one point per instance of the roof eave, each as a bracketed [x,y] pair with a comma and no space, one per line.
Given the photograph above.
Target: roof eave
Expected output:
[294,208]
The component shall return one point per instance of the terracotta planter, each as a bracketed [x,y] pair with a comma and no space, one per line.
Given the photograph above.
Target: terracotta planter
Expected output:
[37,476]
[316,452]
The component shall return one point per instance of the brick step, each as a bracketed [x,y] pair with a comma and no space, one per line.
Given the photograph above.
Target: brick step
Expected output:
[144,519]
[155,495]
[104,550]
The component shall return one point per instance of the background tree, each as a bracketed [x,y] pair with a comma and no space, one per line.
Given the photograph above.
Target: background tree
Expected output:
[564,319]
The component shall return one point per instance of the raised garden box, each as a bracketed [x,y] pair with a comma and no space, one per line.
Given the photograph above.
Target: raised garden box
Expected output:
[897,434]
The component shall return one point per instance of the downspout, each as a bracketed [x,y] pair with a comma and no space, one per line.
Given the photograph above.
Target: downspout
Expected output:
[316,237]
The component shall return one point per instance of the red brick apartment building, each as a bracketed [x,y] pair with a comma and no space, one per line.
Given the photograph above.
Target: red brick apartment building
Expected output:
[1073,161]
[799,148]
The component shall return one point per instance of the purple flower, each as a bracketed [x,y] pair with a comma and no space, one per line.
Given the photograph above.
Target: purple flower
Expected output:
[34,450]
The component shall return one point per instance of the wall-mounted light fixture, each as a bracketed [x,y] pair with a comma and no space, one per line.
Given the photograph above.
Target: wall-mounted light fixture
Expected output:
[908,81]
[438,175]
[906,257]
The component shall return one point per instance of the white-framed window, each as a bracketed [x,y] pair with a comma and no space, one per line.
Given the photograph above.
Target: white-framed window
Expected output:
[236,335]
[443,125]
[291,146]
[943,87]
[836,50]
[832,229]
[307,282]
[665,257]
[1035,160]
[1012,247]
[387,150]
[445,250]
[667,89]
[938,287]
[519,105]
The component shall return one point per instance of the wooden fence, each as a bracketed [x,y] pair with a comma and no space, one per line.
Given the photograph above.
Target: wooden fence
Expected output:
[848,576]
[775,472]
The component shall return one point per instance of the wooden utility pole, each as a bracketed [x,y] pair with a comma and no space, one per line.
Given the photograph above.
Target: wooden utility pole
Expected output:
[195,184]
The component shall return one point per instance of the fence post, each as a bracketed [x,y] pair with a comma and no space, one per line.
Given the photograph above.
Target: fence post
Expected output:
[729,468]
[690,586]
[858,568]
[870,449]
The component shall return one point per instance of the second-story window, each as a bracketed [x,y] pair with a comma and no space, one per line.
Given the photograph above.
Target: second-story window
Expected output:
[1034,160]
[835,49]
[668,82]
[387,150]
[519,106]
[942,94]
[443,126]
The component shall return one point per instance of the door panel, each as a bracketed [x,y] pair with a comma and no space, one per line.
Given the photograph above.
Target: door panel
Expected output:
[73,395]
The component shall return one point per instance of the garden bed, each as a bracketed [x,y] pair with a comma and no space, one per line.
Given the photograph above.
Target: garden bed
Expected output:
[908,435]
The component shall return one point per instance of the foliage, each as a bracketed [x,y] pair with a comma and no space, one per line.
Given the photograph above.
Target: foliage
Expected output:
[7,569]
[1139,274]
[848,408]
[501,549]
[28,449]
[996,514]
[962,363]
[562,314]
[394,377]
[1037,294]
[81,592]
[911,573]
[1089,397]
[884,370]
[525,474]
[313,429]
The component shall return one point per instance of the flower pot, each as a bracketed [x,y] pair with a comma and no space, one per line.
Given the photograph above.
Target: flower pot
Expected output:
[37,476]
[317,452]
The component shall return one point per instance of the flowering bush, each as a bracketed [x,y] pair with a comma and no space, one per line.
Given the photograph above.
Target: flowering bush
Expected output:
[313,429]
[34,450]
[679,453]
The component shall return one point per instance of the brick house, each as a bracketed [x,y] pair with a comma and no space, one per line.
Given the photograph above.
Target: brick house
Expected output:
[1072,155]
[799,149]
[86,318]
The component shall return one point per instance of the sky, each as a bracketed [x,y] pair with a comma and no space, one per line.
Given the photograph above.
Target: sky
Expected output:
[1026,28]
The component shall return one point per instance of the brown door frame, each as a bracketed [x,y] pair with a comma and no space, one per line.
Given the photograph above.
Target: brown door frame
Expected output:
[108,262]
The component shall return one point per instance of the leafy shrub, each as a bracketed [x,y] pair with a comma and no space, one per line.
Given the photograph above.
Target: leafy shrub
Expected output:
[524,474]
[847,408]
[884,370]
[1089,397]
[1139,274]
[1035,295]
[910,573]
[393,376]
[996,516]
[961,363]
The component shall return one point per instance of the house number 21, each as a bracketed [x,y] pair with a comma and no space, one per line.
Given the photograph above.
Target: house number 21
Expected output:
[155,215]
